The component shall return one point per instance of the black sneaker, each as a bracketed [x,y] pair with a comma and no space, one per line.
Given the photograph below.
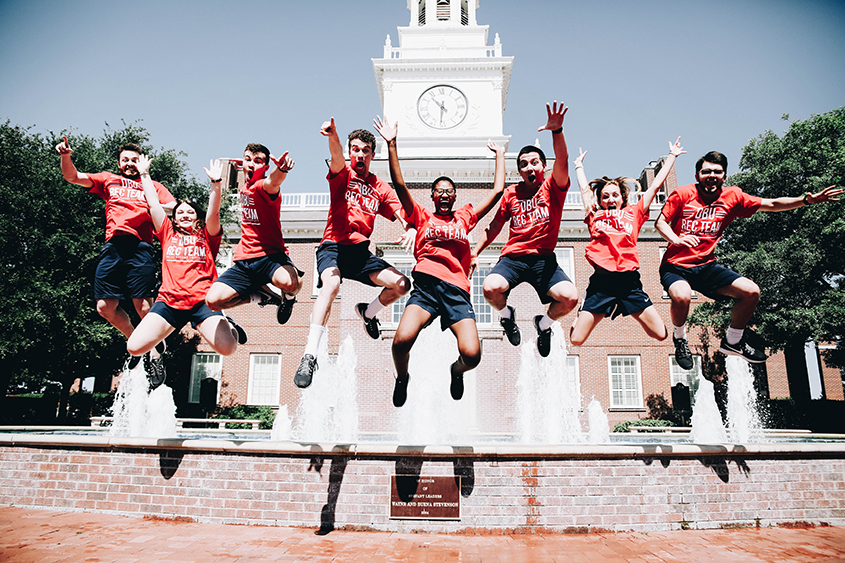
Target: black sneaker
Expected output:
[742,349]
[161,347]
[267,297]
[511,330]
[285,309]
[544,338]
[305,372]
[133,362]
[682,354]
[370,325]
[156,373]
[456,388]
[400,391]
[238,328]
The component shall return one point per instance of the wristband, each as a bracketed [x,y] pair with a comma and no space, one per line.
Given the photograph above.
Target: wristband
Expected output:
[217,180]
[556,131]
[806,195]
[285,170]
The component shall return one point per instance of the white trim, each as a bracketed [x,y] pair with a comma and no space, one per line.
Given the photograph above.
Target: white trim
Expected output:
[637,401]
[213,372]
[271,397]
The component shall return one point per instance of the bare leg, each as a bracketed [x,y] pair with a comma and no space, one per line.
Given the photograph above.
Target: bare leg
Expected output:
[219,334]
[651,323]
[583,327]
[142,306]
[469,346]
[680,293]
[151,330]
[747,295]
[328,292]
[565,299]
[395,284]
[110,310]
[494,288]
[220,296]
[413,319]
[287,279]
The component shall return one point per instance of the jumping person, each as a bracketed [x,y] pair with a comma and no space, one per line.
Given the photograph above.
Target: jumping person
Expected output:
[441,274]
[127,266]
[534,207]
[189,246]
[693,220]
[615,287]
[357,196]
[261,256]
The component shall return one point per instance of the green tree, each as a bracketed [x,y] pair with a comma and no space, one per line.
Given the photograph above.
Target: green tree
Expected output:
[52,233]
[796,257]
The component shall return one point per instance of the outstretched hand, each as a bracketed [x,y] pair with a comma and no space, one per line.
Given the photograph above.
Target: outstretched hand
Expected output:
[284,162]
[407,240]
[676,150]
[579,162]
[328,128]
[144,164]
[387,131]
[555,116]
[495,147]
[214,170]
[830,193]
[64,147]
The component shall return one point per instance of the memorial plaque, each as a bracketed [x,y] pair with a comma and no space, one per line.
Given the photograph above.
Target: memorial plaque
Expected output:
[425,498]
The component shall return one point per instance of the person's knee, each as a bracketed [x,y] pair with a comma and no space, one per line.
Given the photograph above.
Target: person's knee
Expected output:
[750,290]
[227,346]
[401,345]
[106,308]
[331,285]
[471,358]
[403,285]
[493,288]
[134,346]
[577,339]
[680,294]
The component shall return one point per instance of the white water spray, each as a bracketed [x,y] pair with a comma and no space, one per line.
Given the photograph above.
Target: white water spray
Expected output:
[599,426]
[281,425]
[743,419]
[707,427]
[140,413]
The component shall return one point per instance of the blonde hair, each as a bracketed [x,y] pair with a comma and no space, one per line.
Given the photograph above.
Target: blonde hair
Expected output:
[621,182]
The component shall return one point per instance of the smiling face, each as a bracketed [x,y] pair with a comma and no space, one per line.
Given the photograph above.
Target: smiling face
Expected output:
[610,197]
[254,163]
[360,156]
[127,163]
[443,195]
[710,178]
[531,169]
[185,216]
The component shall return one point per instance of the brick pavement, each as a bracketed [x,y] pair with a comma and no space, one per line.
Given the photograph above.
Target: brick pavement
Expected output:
[45,536]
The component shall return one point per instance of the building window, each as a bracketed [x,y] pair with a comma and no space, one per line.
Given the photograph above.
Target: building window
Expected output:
[565,259]
[265,372]
[625,382]
[224,258]
[573,374]
[687,377]
[204,366]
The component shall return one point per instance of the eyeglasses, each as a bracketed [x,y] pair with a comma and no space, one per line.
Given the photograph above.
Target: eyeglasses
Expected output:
[708,171]
[444,192]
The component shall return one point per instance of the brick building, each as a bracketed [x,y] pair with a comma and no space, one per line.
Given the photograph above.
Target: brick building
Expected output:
[444,58]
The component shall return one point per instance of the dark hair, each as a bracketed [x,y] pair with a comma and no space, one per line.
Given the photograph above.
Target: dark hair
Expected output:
[258,147]
[530,148]
[199,224]
[621,182]
[442,179]
[129,147]
[363,135]
[713,157]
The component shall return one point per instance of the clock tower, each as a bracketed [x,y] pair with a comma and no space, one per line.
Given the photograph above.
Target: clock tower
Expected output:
[443,83]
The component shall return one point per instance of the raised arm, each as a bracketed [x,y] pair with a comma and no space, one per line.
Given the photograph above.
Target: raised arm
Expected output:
[69,171]
[284,164]
[335,147]
[830,193]
[675,151]
[554,123]
[212,215]
[495,195]
[156,210]
[583,184]
[388,133]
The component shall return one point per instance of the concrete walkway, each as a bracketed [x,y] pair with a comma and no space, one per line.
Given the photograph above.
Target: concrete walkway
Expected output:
[45,536]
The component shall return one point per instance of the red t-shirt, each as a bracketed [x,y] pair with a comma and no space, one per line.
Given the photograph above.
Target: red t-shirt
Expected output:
[689,215]
[261,227]
[187,265]
[442,248]
[534,217]
[613,237]
[127,211]
[355,202]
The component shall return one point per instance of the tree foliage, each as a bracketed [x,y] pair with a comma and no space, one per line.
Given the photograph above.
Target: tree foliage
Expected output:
[796,257]
[52,232]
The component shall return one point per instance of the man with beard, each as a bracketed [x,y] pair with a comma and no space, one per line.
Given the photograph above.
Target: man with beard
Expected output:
[127,267]
[357,196]
[533,207]
[693,220]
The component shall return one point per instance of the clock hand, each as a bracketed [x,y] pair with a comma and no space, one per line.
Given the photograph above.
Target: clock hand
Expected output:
[442,111]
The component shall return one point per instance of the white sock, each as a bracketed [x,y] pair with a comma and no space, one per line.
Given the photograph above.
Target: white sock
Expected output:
[735,335]
[315,336]
[679,331]
[373,309]
[545,323]
[505,313]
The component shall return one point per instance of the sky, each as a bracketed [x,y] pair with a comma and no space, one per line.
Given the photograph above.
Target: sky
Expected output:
[207,77]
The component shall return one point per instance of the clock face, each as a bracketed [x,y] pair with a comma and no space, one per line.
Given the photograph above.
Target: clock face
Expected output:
[442,107]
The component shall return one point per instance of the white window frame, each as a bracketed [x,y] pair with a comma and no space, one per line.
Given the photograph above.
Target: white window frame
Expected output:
[566,260]
[573,372]
[637,394]
[225,258]
[687,377]
[274,377]
[211,369]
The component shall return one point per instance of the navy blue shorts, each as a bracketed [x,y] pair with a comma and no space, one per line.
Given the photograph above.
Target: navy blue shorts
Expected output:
[126,270]
[441,299]
[245,276]
[615,293]
[355,261]
[177,318]
[706,279]
[540,270]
